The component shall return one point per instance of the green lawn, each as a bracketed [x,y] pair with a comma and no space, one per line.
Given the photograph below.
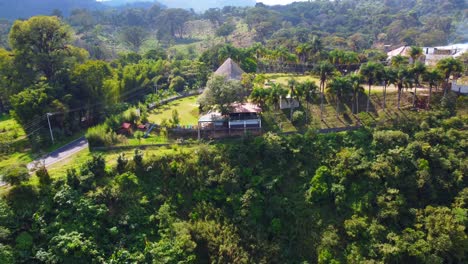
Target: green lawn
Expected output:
[9,128]
[186,107]
[284,78]
[59,169]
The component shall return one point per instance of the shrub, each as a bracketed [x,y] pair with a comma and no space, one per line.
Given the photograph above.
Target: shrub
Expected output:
[102,136]
[298,117]
[15,174]
[389,139]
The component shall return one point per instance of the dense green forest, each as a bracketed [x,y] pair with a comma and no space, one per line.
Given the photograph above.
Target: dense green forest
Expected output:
[393,191]
[348,24]
[391,194]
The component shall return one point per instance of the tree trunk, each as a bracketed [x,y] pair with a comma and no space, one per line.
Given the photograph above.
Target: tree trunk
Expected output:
[384,97]
[321,102]
[430,96]
[357,103]
[414,96]
[337,106]
[368,99]
[446,84]
[399,96]
[354,103]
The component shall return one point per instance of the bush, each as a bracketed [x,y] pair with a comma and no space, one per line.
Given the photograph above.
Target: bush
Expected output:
[15,174]
[298,118]
[390,139]
[102,136]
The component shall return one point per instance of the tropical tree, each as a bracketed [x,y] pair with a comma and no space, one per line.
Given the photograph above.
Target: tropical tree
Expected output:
[40,43]
[339,86]
[399,60]
[415,52]
[325,69]
[134,36]
[292,83]
[371,72]
[388,77]
[220,93]
[260,95]
[418,69]
[306,91]
[277,92]
[356,81]
[449,66]
[433,77]
[403,79]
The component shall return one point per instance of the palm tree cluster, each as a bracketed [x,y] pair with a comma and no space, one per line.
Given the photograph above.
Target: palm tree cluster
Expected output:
[337,80]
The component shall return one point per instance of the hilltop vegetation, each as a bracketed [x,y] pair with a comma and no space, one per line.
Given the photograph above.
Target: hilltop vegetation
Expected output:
[391,194]
[393,191]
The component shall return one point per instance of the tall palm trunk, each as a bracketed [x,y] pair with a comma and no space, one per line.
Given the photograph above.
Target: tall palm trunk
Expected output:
[354,103]
[399,95]
[384,104]
[430,96]
[446,85]
[414,96]
[357,102]
[368,99]
[337,105]
[321,100]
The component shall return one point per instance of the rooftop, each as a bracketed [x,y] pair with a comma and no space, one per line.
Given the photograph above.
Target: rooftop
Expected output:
[230,69]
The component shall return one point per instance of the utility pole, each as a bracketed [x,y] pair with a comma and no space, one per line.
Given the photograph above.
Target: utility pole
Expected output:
[50,128]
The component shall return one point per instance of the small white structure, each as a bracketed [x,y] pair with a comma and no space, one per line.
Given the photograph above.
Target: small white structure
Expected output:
[288,103]
[459,88]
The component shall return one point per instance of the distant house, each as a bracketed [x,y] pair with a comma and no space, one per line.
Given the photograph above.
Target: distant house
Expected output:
[435,54]
[230,70]
[125,129]
[242,117]
[431,55]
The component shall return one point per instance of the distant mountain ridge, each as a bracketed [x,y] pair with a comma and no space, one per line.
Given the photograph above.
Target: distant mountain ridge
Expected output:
[202,5]
[14,9]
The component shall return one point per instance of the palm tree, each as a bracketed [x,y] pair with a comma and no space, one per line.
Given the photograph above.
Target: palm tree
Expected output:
[415,53]
[292,95]
[388,77]
[398,60]
[260,95]
[433,77]
[418,70]
[306,91]
[403,79]
[349,59]
[277,92]
[339,86]
[372,73]
[449,66]
[356,80]
[325,69]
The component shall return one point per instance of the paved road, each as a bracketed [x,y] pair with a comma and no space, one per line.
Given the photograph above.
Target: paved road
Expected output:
[61,153]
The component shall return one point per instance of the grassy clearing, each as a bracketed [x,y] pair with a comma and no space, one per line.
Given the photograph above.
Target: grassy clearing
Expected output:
[10,129]
[284,78]
[59,169]
[186,107]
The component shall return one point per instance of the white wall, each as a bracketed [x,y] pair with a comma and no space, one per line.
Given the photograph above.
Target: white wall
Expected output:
[459,88]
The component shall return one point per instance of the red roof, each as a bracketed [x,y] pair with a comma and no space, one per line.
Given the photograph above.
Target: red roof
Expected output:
[245,108]
[126,125]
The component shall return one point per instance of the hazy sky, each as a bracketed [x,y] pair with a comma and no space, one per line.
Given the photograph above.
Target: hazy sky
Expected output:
[277,2]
